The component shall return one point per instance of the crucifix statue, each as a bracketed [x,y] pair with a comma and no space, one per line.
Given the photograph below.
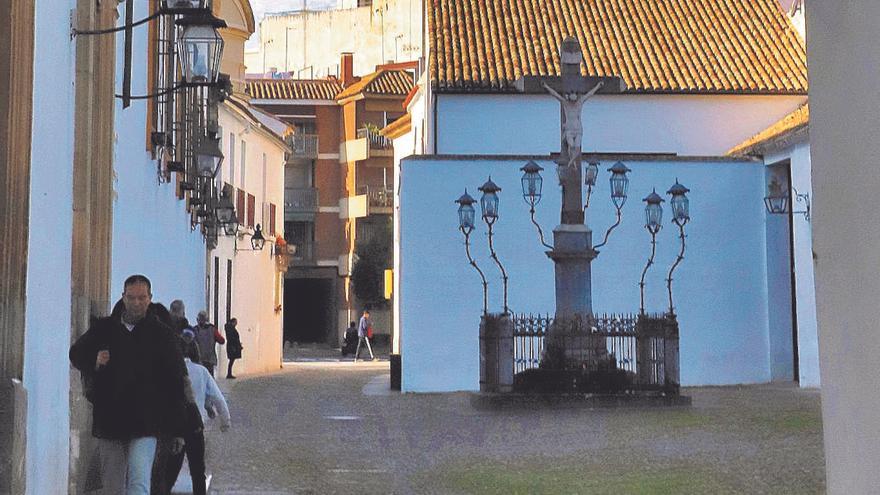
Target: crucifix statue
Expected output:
[572,239]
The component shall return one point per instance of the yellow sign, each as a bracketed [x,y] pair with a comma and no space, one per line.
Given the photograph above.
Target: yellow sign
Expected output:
[389,283]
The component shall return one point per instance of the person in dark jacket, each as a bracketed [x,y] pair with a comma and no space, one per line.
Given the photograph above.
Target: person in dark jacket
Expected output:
[136,380]
[233,345]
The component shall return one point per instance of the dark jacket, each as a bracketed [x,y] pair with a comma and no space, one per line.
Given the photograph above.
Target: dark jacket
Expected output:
[233,342]
[140,392]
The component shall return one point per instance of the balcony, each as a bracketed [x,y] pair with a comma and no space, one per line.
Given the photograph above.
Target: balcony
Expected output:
[376,141]
[302,146]
[380,199]
[300,200]
[306,254]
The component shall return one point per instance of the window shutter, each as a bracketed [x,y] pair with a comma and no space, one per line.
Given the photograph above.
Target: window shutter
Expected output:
[239,207]
[252,206]
[271,218]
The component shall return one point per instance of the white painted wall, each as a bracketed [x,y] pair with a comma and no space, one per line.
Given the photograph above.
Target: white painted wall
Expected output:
[151,228]
[256,285]
[316,39]
[805,284]
[529,124]
[720,289]
[47,323]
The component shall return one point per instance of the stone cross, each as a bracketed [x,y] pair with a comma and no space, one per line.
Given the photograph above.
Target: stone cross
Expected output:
[572,239]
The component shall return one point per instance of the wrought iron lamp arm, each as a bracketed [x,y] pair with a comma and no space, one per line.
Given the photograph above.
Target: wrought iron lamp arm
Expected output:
[587,202]
[540,231]
[802,198]
[500,266]
[645,271]
[674,265]
[87,32]
[467,250]
[153,95]
[608,232]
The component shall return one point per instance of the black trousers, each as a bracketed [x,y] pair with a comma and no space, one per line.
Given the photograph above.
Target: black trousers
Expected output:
[195,456]
[229,368]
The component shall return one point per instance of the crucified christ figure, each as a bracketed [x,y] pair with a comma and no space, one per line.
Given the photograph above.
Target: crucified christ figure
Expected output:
[572,128]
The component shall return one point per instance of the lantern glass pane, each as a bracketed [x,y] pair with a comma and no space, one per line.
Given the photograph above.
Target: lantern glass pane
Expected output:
[591,174]
[653,215]
[199,48]
[466,215]
[619,185]
[680,208]
[532,184]
[777,204]
[231,227]
[489,204]
[224,214]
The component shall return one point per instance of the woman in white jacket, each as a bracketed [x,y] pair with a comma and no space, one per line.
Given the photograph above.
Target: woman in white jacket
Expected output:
[207,395]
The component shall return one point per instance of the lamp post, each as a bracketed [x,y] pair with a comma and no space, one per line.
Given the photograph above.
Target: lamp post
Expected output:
[653,219]
[466,216]
[532,183]
[619,185]
[489,207]
[680,216]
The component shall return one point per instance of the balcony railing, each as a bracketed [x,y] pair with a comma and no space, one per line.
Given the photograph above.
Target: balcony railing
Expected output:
[306,253]
[378,196]
[300,200]
[303,146]
[376,140]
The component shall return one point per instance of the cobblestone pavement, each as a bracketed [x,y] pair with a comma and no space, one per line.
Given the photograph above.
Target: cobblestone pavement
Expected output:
[324,427]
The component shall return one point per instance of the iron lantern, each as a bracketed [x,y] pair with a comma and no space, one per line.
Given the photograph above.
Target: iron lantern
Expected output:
[466,212]
[200,47]
[489,201]
[225,207]
[532,183]
[776,200]
[619,183]
[208,157]
[653,212]
[257,240]
[680,204]
[591,174]
[231,227]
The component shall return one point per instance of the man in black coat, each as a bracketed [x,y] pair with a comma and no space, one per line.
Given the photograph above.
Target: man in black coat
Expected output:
[136,380]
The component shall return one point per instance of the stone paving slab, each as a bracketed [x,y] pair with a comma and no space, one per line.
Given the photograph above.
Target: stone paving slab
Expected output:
[328,427]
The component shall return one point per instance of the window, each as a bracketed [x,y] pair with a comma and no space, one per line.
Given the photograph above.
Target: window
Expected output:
[243,156]
[232,158]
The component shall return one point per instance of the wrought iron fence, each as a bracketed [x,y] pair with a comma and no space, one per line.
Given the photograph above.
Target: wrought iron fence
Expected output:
[643,350]
[376,140]
[300,199]
[302,145]
[378,196]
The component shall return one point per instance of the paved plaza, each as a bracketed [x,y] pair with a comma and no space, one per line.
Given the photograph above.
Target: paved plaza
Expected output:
[327,426]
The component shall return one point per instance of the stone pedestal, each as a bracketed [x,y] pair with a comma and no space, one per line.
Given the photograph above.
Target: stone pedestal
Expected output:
[572,254]
[13,429]
[496,353]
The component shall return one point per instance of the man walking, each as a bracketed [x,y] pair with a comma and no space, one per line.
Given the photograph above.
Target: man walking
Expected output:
[206,336]
[365,330]
[136,381]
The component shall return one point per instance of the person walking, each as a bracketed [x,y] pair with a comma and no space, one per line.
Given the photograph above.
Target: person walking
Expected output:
[206,336]
[178,316]
[233,345]
[207,394]
[136,380]
[365,331]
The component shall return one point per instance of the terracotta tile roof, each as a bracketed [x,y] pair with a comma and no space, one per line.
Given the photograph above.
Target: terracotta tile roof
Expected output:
[381,82]
[397,128]
[677,46]
[792,122]
[293,89]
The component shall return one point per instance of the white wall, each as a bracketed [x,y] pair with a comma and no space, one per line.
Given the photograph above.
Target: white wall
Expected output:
[529,124]
[151,228]
[256,287]
[805,284]
[720,289]
[47,324]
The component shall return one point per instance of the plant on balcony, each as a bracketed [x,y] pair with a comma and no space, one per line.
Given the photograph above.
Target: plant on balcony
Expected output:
[368,272]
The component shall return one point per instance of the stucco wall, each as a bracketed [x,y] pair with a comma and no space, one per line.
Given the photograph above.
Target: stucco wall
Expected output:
[720,289]
[844,121]
[47,324]
[316,39]
[529,124]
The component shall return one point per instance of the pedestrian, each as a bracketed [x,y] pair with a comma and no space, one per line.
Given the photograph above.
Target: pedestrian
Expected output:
[207,394]
[206,336]
[136,381]
[233,345]
[349,339]
[365,332]
[178,316]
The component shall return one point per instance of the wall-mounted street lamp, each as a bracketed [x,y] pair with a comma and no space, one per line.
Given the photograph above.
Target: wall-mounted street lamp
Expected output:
[225,207]
[680,216]
[208,157]
[200,47]
[653,224]
[257,239]
[591,173]
[619,185]
[778,197]
[532,183]
[489,207]
[466,215]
